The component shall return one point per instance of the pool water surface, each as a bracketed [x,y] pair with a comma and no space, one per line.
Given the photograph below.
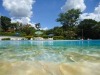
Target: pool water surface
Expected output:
[61,57]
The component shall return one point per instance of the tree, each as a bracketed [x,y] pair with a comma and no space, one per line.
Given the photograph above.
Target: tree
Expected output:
[69,19]
[69,34]
[37,26]
[13,26]
[5,23]
[58,31]
[86,27]
[28,30]
[96,31]
[50,31]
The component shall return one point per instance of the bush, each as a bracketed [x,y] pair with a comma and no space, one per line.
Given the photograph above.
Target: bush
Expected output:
[28,37]
[6,33]
[5,39]
[45,36]
[58,38]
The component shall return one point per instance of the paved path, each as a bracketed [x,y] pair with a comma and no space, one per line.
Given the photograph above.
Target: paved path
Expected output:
[12,37]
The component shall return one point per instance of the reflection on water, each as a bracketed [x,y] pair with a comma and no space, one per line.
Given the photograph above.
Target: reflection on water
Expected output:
[46,68]
[49,58]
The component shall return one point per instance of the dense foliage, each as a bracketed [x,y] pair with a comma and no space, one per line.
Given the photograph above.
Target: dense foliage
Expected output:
[15,29]
[71,28]
[5,23]
[69,19]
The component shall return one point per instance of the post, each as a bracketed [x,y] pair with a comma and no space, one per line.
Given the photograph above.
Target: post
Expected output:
[82,34]
[0,22]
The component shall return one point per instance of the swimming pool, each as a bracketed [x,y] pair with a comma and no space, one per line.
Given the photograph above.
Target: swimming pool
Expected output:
[55,52]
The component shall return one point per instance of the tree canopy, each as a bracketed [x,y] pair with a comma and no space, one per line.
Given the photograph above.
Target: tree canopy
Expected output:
[88,26]
[5,22]
[69,19]
[70,28]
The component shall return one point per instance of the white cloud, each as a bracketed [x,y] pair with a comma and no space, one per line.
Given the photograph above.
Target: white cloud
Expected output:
[74,4]
[79,4]
[20,10]
[33,25]
[94,15]
[15,20]
[45,28]
[97,9]
[24,20]
[87,16]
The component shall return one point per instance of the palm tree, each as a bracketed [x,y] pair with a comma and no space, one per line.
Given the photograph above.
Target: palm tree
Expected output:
[37,26]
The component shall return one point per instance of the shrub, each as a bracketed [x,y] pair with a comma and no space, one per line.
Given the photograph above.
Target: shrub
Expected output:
[6,33]
[28,37]
[45,36]
[58,38]
[5,39]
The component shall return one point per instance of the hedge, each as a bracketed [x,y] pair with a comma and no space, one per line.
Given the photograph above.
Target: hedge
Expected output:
[5,39]
[58,38]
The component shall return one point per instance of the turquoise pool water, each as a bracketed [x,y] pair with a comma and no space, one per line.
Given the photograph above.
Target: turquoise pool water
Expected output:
[53,51]
[75,57]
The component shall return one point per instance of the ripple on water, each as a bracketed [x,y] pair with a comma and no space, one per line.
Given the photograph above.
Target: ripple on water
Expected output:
[51,53]
[48,68]
[28,58]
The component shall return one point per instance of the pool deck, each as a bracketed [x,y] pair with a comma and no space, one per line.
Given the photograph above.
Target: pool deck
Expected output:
[23,38]
[12,37]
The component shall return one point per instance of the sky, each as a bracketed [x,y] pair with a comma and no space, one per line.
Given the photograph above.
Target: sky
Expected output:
[46,12]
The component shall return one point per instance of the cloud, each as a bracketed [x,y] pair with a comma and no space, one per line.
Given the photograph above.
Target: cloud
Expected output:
[73,4]
[87,16]
[94,15]
[20,10]
[33,24]
[45,28]
[79,4]
[23,20]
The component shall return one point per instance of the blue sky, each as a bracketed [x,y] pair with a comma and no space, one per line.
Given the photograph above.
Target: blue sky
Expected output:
[46,12]
[91,4]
